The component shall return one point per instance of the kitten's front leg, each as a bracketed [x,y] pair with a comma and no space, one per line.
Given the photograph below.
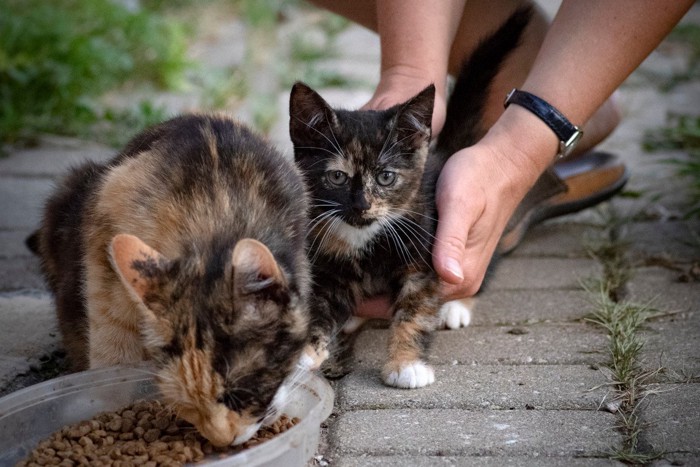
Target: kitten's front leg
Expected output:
[414,321]
[331,308]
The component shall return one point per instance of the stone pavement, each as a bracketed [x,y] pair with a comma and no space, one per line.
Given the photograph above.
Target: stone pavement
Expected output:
[527,383]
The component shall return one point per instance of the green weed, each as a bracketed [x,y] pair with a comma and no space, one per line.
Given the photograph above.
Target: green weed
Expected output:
[57,57]
[682,134]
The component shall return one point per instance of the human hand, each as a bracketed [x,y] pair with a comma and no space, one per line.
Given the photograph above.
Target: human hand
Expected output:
[477,192]
[399,84]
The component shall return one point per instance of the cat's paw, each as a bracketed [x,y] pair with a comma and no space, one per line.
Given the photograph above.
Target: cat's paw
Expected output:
[312,357]
[409,375]
[455,314]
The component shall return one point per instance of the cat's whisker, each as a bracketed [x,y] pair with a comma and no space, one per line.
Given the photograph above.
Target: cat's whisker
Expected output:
[335,145]
[318,148]
[410,236]
[412,232]
[329,228]
[404,210]
[313,223]
[322,232]
[396,240]
[394,144]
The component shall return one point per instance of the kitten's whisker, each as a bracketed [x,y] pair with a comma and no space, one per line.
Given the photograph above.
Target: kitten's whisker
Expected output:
[319,148]
[335,145]
[396,240]
[404,210]
[410,236]
[395,143]
[410,231]
[334,224]
[317,221]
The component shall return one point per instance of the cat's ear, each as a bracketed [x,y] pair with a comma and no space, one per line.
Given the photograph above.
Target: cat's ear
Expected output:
[138,265]
[311,120]
[414,119]
[255,269]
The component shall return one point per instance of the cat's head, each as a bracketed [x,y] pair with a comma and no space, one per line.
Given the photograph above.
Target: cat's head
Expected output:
[365,166]
[226,335]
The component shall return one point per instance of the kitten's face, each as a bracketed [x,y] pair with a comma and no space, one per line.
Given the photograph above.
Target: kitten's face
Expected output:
[226,342]
[362,167]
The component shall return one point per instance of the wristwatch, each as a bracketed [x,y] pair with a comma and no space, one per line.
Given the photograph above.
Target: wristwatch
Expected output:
[568,133]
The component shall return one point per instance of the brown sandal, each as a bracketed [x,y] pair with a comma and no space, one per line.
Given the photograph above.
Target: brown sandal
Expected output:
[568,186]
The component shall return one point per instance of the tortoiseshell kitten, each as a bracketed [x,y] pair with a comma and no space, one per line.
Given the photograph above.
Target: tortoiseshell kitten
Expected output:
[372,177]
[188,248]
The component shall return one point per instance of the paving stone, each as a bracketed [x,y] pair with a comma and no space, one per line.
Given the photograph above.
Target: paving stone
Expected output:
[22,202]
[542,273]
[559,239]
[673,419]
[52,157]
[673,240]
[569,344]
[438,432]
[673,345]
[474,461]
[558,387]
[511,307]
[672,341]
[675,459]
[20,274]
[28,331]
[661,289]
[12,244]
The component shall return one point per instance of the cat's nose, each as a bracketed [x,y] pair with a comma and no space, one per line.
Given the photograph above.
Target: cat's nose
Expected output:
[360,203]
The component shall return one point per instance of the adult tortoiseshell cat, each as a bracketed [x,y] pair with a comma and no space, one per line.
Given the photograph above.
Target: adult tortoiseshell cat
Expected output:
[188,248]
[372,178]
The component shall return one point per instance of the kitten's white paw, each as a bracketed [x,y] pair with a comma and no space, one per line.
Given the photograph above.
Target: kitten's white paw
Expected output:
[455,314]
[410,375]
[312,358]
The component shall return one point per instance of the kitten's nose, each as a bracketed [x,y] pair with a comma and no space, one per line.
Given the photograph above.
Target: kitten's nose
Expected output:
[360,203]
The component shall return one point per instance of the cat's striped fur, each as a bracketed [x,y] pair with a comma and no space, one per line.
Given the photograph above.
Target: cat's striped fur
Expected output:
[188,248]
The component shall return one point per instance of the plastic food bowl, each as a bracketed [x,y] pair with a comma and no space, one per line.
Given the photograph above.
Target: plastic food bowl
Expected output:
[34,413]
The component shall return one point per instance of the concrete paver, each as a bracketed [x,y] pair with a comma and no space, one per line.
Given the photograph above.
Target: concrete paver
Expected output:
[475,387]
[567,344]
[530,306]
[567,433]
[473,461]
[673,419]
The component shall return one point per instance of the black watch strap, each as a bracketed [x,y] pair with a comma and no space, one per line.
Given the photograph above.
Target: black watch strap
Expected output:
[567,132]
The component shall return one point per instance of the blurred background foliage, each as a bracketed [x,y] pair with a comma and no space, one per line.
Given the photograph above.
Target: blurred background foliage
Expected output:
[59,58]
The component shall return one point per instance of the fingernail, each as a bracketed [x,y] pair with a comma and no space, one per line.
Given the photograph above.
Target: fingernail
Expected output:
[454,267]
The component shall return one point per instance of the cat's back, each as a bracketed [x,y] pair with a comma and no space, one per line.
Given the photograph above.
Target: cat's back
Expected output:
[197,178]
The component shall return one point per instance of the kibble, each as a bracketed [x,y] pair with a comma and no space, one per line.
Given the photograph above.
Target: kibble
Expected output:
[145,433]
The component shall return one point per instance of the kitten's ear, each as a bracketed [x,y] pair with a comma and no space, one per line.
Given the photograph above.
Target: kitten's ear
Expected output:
[254,267]
[137,264]
[311,119]
[414,119]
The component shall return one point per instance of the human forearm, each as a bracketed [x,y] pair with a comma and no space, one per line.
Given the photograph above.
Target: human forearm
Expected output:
[592,47]
[416,36]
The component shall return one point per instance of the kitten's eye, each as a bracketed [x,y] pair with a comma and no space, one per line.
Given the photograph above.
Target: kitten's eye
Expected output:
[337,177]
[386,178]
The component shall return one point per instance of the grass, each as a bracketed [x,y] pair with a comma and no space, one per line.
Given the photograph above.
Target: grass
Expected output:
[58,57]
[681,135]
[622,321]
[688,35]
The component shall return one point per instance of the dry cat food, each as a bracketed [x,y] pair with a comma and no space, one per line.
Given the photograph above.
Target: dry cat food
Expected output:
[145,433]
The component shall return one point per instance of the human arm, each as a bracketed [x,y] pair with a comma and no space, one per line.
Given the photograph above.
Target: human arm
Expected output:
[416,37]
[589,50]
